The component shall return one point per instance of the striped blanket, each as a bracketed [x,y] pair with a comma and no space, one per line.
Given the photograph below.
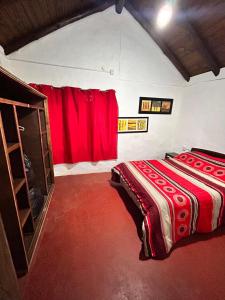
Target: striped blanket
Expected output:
[177,197]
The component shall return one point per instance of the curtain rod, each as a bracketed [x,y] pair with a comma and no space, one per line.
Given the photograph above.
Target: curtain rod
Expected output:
[111,71]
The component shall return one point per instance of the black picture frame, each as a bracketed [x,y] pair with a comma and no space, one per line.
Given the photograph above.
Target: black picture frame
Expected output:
[127,130]
[162,106]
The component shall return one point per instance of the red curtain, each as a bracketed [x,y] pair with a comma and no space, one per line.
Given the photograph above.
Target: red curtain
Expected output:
[83,123]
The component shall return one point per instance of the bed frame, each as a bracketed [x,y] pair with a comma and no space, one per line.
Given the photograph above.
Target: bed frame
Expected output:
[134,208]
[209,152]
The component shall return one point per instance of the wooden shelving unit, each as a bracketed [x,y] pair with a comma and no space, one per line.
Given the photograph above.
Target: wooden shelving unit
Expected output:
[18,183]
[23,215]
[9,283]
[12,146]
[23,107]
[46,153]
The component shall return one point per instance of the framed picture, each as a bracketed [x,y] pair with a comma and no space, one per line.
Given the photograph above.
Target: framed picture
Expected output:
[149,105]
[132,124]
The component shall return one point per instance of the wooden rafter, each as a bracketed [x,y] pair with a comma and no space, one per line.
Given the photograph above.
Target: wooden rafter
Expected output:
[146,24]
[119,6]
[201,44]
[21,42]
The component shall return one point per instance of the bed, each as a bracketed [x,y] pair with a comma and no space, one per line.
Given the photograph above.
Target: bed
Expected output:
[177,196]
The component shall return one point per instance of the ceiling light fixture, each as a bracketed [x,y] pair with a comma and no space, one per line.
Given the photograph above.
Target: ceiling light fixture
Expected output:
[164,15]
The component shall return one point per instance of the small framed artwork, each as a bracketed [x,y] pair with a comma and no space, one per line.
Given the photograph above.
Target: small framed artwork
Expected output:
[132,124]
[150,105]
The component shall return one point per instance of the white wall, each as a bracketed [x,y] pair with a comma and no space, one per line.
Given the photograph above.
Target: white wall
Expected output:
[82,54]
[202,117]
[102,42]
[1,56]
[3,59]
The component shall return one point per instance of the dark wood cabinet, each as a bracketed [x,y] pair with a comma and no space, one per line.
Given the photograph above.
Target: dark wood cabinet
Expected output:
[170,154]
[9,289]
[24,130]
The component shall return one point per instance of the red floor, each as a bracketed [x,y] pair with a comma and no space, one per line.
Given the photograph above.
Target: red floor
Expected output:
[89,249]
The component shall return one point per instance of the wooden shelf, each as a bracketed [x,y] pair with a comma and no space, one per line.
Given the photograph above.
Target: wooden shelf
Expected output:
[18,183]
[48,170]
[23,215]
[12,146]
[21,104]
[24,106]
[46,153]
[27,238]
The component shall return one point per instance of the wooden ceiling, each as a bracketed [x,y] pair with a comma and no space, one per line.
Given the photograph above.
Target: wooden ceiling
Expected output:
[23,21]
[194,41]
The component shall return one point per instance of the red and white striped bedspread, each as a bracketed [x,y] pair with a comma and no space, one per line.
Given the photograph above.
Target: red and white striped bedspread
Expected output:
[177,196]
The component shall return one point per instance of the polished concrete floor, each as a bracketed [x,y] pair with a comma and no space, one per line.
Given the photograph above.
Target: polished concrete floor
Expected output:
[89,250]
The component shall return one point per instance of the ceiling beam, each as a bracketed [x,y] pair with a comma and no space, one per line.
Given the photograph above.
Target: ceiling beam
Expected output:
[201,44]
[21,42]
[146,24]
[119,6]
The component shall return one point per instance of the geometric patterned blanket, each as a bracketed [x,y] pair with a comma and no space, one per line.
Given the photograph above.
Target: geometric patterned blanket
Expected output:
[177,197]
